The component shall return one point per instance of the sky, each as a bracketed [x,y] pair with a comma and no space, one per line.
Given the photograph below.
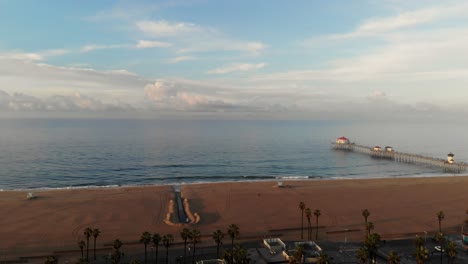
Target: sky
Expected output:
[244,59]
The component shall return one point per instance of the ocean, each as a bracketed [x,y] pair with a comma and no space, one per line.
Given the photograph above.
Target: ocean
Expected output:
[78,153]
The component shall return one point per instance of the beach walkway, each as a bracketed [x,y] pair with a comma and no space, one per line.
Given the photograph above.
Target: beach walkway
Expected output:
[180,206]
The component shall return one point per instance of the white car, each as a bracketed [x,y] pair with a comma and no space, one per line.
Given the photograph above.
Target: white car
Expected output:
[438,248]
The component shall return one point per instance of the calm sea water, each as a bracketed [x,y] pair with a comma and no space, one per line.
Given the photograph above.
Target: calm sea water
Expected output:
[52,153]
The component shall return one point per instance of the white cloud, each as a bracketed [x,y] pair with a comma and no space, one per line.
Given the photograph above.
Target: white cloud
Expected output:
[42,80]
[20,102]
[173,96]
[180,59]
[32,56]
[377,26]
[189,37]
[237,67]
[142,44]
[93,47]
[165,28]
[22,56]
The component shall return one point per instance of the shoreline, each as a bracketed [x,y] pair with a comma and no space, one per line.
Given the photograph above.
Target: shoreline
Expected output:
[278,178]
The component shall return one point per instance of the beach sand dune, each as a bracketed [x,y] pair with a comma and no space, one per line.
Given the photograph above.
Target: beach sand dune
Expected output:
[55,220]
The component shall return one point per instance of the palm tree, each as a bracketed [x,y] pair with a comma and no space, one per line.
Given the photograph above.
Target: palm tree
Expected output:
[440,217]
[167,242]
[393,258]
[366,215]
[87,232]
[218,236]
[440,238]
[82,244]
[96,233]
[372,242]
[156,239]
[362,255]
[185,234]
[302,207]
[238,255]
[308,214]
[451,251]
[233,232]
[296,258]
[51,260]
[117,255]
[317,214]
[145,239]
[195,237]
[323,259]
[421,253]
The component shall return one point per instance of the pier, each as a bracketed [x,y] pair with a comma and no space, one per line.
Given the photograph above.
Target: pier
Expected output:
[447,165]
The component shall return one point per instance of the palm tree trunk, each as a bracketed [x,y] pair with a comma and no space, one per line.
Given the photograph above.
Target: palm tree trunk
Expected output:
[146,256]
[156,255]
[440,226]
[82,252]
[167,255]
[193,256]
[217,251]
[232,250]
[87,248]
[302,225]
[95,248]
[185,251]
[316,233]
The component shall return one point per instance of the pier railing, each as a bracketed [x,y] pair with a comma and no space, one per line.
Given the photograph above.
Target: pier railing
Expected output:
[455,167]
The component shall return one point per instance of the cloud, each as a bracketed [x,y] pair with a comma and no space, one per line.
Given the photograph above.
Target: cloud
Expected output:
[180,59]
[19,102]
[93,47]
[214,43]
[32,56]
[142,44]
[189,37]
[22,56]
[165,28]
[172,96]
[377,26]
[237,67]
[41,80]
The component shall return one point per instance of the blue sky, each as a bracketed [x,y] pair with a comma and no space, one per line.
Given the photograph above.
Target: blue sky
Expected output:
[387,59]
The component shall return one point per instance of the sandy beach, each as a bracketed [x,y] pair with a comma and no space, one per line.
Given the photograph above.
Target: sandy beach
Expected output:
[55,220]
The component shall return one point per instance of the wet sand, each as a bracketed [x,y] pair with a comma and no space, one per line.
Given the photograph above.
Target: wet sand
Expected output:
[55,220]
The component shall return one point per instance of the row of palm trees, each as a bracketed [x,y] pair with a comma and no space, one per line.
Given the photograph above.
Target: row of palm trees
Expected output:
[372,240]
[188,236]
[88,232]
[308,214]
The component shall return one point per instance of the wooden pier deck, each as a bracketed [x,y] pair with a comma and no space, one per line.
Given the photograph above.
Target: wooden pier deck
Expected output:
[455,167]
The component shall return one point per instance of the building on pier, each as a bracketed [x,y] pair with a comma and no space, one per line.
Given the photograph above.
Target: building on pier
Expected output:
[450,158]
[377,148]
[342,140]
[388,149]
